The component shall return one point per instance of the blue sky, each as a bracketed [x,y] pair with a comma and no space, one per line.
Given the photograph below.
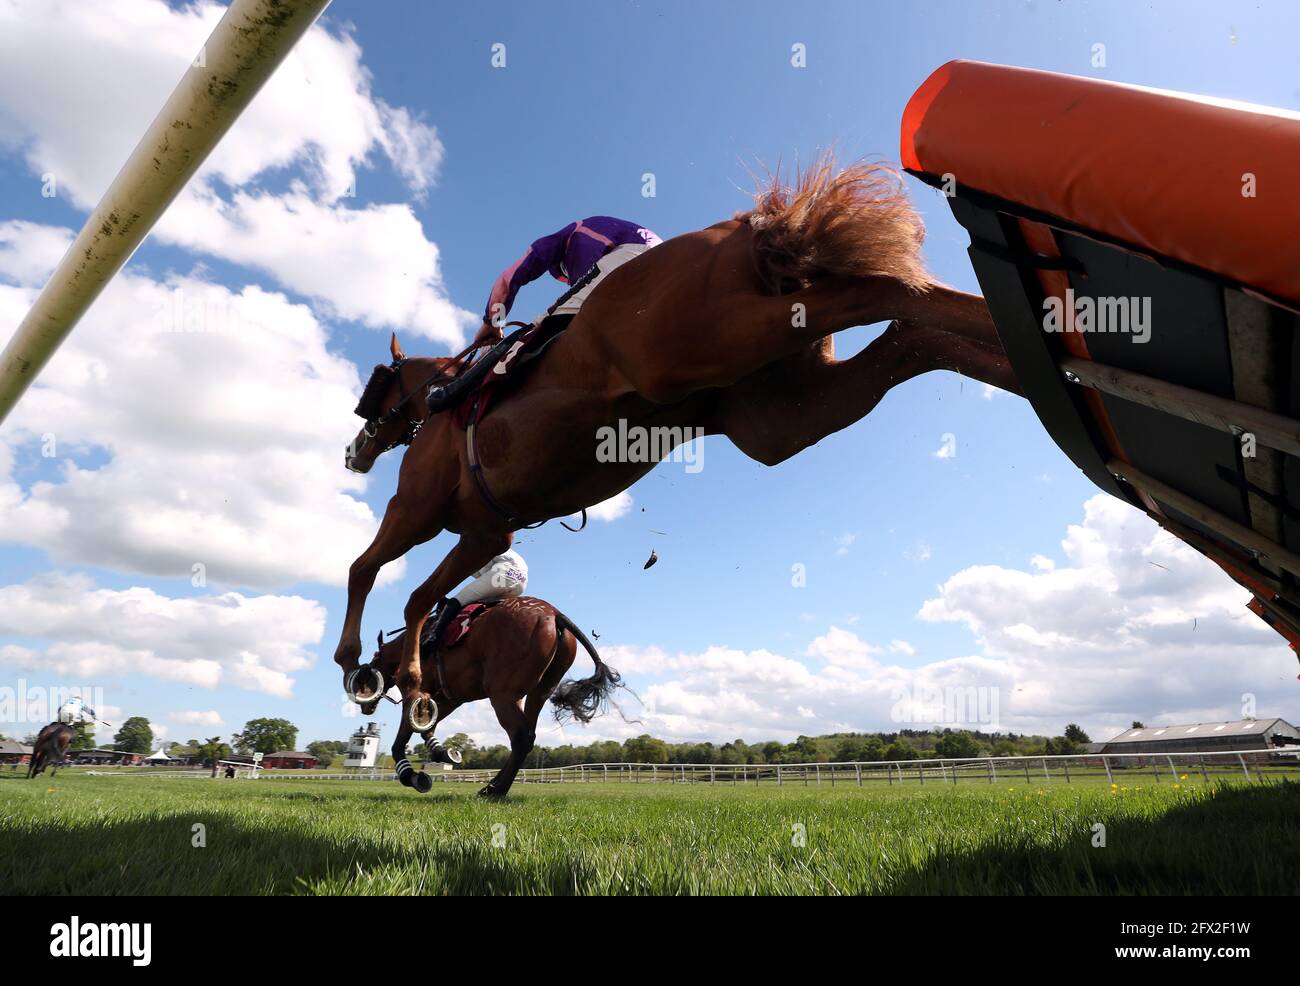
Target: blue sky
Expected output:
[922,571]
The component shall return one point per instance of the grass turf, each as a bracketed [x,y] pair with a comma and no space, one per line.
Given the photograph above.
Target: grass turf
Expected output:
[82,834]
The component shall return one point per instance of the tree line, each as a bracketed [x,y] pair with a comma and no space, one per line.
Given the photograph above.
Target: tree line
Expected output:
[269,735]
[906,744]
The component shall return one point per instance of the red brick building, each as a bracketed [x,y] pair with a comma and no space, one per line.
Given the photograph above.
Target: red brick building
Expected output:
[290,759]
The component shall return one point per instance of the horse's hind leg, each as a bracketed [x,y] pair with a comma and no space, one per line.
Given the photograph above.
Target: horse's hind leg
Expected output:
[520,724]
[797,402]
[718,324]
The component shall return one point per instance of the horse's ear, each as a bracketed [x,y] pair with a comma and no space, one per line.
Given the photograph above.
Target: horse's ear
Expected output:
[396,349]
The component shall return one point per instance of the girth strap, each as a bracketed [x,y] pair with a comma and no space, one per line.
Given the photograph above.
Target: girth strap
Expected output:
[480,480]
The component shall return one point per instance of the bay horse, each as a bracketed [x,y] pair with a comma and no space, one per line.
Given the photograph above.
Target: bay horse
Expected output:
[727,330]
[514,655]
[50,748]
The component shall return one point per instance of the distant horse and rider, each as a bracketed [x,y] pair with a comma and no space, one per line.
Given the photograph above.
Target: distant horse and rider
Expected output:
[508,648]
[50,749]
[52,742]
[727,330]
[515,657]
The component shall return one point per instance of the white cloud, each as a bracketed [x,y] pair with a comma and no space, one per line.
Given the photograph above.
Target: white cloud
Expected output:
[103,70]
[612,509]
[195,717]
[902,647]
[1136,625]
[920,552]
[255,643]
[216,422]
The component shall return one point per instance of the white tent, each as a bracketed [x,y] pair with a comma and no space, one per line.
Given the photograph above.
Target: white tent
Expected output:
[158,757]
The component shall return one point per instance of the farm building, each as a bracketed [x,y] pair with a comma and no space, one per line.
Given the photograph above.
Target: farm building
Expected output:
[13,752]
[1205,737]
[290,759]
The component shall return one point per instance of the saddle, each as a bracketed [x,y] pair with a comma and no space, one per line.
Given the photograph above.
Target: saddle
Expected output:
[503,369]
[456,631]
[504,366]
[459,627]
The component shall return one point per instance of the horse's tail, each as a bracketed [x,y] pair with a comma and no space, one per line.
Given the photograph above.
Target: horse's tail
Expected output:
[857,222]
[583,698]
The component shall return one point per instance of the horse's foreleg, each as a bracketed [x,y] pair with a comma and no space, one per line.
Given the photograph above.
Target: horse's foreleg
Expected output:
[471,553]
[407,775]
[397,534]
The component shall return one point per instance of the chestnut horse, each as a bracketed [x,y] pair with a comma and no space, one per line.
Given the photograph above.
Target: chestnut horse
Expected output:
[514,656]
[50,748]
[727,330]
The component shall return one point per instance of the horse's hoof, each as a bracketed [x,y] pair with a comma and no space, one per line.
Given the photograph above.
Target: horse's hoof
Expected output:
[487,792]
[423,782]
[364,686]
[454,755]
[422,714]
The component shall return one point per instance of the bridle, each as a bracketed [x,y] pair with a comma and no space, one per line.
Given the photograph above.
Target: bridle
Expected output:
[413,425]
[462,359]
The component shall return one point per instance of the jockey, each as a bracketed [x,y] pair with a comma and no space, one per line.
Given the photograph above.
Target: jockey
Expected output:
[569,254]
[74,710]
[504,576]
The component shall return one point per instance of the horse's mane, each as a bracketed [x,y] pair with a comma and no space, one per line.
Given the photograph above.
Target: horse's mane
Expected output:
[372,398]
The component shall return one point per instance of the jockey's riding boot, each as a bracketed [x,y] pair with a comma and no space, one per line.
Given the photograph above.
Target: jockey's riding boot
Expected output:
[446,612]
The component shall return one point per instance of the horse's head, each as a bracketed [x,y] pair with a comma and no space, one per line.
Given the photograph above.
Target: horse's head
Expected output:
[393,405]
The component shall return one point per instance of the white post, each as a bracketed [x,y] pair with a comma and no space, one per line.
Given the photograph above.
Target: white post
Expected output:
[251,40]
[1106,763]
[1171,768]
[1242,761]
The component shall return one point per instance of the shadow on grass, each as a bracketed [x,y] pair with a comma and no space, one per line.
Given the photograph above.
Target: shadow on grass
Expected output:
[1242,841]
[255,852]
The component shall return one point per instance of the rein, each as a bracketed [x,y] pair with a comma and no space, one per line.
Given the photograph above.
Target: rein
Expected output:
[408,436]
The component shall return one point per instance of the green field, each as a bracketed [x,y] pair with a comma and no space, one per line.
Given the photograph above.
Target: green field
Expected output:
[84,834]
